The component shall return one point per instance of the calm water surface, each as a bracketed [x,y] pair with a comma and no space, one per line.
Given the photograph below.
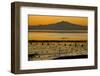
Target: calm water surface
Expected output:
[56,36]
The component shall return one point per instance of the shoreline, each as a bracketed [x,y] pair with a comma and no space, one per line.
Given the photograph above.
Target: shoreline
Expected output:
[60,31]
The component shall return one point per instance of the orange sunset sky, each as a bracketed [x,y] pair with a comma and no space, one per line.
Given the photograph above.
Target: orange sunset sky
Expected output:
[45,20]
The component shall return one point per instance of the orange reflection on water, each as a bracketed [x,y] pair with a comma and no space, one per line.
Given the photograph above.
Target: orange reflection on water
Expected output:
[56,36]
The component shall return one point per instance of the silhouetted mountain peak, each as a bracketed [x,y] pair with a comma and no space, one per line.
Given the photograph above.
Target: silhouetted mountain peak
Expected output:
[63,22]
[67,23]
[62,25]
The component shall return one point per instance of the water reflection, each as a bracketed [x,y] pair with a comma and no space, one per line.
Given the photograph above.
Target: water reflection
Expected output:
[56,36]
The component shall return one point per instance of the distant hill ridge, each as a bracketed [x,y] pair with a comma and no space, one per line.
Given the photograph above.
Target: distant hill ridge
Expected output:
[59,26]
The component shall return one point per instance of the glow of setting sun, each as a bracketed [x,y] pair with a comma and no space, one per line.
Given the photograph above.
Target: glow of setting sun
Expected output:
[34,20]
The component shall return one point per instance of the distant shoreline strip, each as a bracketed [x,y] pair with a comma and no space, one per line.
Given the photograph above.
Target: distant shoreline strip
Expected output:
[59,31]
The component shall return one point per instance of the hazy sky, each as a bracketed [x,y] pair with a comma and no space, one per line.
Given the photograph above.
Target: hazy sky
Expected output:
[45,20]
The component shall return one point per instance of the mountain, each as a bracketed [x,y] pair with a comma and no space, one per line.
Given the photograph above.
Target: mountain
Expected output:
[58,26]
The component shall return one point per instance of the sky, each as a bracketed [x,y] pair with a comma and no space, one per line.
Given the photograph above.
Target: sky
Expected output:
[34,20]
